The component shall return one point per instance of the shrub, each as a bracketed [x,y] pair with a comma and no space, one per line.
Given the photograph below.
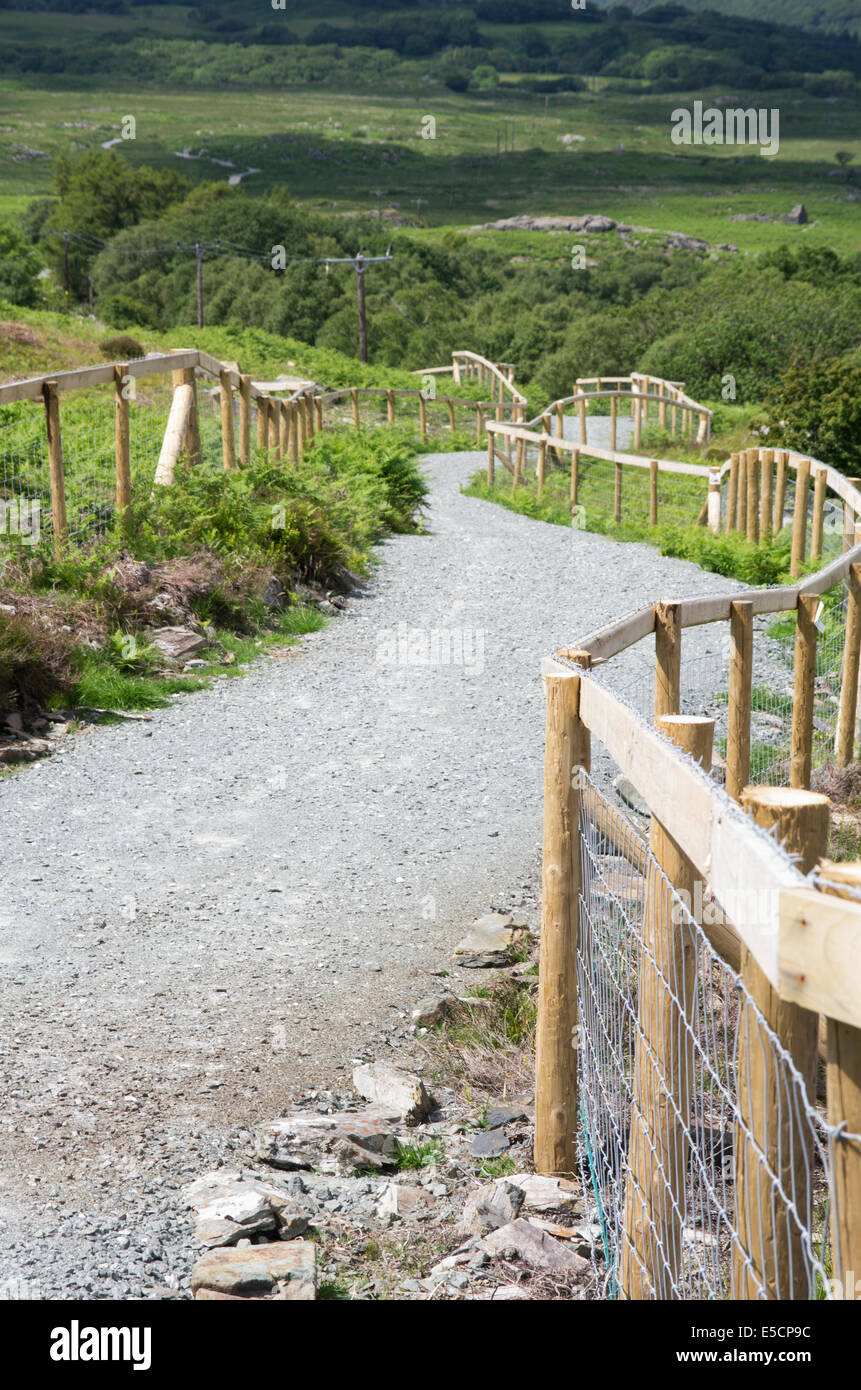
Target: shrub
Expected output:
[123,347]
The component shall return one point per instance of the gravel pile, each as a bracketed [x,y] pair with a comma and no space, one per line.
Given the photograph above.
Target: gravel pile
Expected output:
[203,915]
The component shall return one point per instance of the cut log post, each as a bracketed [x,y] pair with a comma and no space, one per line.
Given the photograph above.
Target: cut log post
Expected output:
[847,709]
[801,755]
[714,501]
[613,423]
[638,423]
[575,476]
[228,444]
[519,458]
[653,492]
[662,409]
[491,461]
[187,376]
[262,423]
[423,418]
[738,711]
[658,1146]
[766,501]
[317,404]
[244,419]
[122,445]
[753,495]
[567,749]
[731,494]
[479,423]
[820,488]
[581,411]
[450,405]
[772,1140]
[284,430]
[175,434]
[668,658]
[542,461]
[55,464]
[617,493]
[799,518]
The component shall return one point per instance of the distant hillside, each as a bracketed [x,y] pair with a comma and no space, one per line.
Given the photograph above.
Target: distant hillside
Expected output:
[819,16]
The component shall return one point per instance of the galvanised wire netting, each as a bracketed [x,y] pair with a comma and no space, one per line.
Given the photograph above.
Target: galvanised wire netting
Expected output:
[25,490]
[607,493]
[704,1154]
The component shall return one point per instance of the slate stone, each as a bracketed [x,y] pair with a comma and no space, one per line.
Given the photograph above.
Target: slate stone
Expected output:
[490,1143]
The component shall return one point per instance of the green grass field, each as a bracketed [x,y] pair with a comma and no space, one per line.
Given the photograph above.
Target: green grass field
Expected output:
[351,150]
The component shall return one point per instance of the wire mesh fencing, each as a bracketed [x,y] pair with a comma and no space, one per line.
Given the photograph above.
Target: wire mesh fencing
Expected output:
[704,1156]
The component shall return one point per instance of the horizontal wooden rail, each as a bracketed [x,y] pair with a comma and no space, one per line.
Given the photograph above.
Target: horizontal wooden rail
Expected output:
[529,436]
[810,957]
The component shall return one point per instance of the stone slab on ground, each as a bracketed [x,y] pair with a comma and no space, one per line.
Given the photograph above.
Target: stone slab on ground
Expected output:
[307,1140]
[521,1240]
[282,1270]
[491,941]
[394,1090]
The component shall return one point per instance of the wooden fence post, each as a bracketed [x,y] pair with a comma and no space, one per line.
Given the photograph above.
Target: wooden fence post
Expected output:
[581,411]
[731,494]
[753,495]
[423,417]
[780,491]
[638,422]
[651,1255]
[843,1044]
[799,518]
[228,447]
[542,460]
[653,492]
[740,683]
[668,658]
[122,445]
[293,421]
[766,501]
[567,750]
[741,501]
[191,443]
[284,430]
[450,405]
[55,464]
[819,492]
[479,423]
[801,756]
[354,397]
[244,418]
[491,462]
[769,1257]
[262,422]
[617,493]
[390,406]
[844,743]
[613,423]
[575,476]
[662,408]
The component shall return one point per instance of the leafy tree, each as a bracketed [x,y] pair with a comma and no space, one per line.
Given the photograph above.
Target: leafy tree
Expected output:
[19,268]
[816,408]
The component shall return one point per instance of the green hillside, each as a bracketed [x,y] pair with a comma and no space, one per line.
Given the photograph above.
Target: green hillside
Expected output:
[825,16]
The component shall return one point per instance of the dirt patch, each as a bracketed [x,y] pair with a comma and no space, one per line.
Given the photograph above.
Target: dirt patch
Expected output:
[20,333]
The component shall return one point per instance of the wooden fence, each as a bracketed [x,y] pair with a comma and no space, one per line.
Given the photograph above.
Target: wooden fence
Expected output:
[789,950]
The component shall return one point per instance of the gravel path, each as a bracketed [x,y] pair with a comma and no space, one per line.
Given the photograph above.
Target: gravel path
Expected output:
[203,915]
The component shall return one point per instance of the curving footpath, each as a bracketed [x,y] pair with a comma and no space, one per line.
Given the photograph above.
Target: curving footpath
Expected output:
[203,914]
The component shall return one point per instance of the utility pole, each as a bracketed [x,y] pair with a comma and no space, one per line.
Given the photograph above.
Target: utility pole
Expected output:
[198,251]
[360,296]
[67,237]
